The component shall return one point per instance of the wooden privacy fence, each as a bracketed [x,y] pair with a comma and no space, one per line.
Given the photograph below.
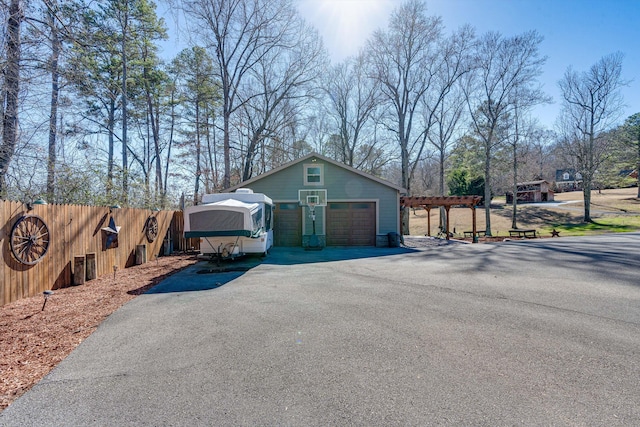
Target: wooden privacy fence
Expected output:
[80,242]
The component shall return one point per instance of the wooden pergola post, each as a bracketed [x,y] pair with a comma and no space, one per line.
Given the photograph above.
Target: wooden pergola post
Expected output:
[446,208]
[428,209]
[474,239]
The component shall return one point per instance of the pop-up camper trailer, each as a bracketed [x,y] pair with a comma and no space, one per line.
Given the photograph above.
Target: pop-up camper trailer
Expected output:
[231,224]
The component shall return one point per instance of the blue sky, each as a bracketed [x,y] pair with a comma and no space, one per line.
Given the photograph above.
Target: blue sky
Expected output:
[576,33]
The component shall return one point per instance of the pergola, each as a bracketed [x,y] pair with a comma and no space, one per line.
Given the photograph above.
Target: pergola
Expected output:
[446,202]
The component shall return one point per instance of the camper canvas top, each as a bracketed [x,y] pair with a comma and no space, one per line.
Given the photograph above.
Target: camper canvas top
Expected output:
[224,218]
[241,194]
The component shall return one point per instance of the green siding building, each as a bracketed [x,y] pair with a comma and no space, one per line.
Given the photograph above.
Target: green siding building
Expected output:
[352,208]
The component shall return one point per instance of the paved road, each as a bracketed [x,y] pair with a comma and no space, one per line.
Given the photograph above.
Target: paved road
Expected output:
[543,332]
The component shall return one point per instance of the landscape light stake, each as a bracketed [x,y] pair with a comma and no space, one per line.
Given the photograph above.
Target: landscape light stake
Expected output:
[115,268]
[46,294]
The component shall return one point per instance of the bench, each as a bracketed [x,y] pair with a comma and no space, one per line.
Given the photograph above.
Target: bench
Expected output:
[530,234]
[478,233]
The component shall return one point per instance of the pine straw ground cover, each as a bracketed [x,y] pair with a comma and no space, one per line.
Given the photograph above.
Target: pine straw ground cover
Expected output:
[32,341]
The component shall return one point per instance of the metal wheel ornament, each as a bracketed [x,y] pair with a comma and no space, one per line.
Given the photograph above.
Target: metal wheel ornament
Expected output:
[152,229]
[29,239]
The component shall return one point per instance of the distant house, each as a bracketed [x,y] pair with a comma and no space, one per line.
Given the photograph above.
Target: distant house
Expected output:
[568,180]
[533,191]
[353,208]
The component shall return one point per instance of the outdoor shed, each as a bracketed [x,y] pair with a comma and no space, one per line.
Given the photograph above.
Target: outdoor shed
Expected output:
[352,208]
[533,191]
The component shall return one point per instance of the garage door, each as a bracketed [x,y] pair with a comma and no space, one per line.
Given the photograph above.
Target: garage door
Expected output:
[351,224]
[287,230]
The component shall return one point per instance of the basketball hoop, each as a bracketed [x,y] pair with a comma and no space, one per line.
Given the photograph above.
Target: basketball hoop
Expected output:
[312,199]
[312,206]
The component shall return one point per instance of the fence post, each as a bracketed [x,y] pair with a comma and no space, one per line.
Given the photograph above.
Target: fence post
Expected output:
[141,254]
[78,270]
[91,266]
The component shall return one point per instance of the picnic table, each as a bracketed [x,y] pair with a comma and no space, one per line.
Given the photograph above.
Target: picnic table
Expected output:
[529,233]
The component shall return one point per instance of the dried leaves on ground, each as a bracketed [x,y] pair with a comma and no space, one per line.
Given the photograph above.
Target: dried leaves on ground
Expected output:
[33,341]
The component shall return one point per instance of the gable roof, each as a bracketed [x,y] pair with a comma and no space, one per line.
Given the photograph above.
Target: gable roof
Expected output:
[323,158]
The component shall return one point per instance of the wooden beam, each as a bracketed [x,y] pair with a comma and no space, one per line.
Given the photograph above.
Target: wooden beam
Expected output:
[422,201]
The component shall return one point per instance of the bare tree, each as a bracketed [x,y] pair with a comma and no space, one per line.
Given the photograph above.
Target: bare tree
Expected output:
[241,33]
[445,110]
[443,107]
[405,61]
[504,66]
[448,117]
[540,157]
[280,81]
[591,103]
[353,99]
[523,131]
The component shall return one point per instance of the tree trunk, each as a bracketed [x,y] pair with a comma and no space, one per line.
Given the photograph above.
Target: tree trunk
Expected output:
[53,114]
[514,202]
[226,182]
[638,165]
[443,214]
[125,161]
[111,123]
[163,199]
[251,151]
[487,189]
[248,161]
[216,172]
[406,177]
[211,151]
[11,91]
[587,175]
[196,187]
[207,156]
[406,184]
[226,144]
[154,117]
[586,192]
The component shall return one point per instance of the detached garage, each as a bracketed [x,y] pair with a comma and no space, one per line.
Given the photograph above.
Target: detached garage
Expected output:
[345,206]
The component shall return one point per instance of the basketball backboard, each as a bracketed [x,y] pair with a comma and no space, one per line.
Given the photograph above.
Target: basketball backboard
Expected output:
[312,198]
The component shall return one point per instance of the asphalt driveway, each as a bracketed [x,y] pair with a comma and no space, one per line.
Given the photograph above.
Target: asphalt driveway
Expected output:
[543,332]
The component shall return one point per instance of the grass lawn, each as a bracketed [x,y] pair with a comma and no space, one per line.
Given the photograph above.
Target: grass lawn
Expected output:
[612,211]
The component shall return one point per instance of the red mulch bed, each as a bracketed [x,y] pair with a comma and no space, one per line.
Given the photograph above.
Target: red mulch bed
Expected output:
[33,341]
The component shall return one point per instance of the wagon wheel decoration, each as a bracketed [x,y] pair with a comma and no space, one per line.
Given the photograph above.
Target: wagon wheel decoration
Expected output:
[152,229]
[29,239]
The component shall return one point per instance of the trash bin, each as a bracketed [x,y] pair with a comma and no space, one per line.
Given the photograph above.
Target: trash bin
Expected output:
[394,239]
